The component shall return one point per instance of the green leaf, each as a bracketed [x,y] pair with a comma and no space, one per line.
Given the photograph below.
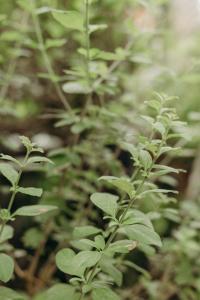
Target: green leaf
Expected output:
[75,88]
[122,184]
[145,159]
[106,202]
[123,246]
[72,264]
[32,238]
[104,293]
[7,233]
[95,27]
[26,142]
[30,191]
[8,294]
[143,234]
[99,242]
[10,158]
[9,172]
[106,264]
[69,19]
[60,291]
[34,210]
[84,231]
[38,159]
[6,267]
[54,43]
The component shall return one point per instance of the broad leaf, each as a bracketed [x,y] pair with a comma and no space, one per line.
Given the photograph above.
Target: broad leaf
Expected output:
[34,210]
[106,264]
[69,19]
[106,202]
[31,191]
[6,267]
[9,172]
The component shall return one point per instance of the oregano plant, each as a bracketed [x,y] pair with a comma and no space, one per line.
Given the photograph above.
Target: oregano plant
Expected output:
[95,267]
[12,169]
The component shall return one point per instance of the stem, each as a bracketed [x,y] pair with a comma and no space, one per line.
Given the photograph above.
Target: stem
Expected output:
[87,38]
[46,59]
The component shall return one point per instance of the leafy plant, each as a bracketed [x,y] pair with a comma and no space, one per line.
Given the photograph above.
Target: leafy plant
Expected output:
[13,175]
[100,251]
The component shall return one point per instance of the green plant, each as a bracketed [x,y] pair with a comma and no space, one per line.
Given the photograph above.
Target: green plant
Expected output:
[101,248]
[13,175]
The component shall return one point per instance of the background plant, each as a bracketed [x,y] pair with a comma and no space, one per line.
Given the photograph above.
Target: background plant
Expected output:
[131,52]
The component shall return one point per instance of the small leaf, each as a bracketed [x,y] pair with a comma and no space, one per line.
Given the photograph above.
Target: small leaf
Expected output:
[6,267]
[104,293]
[106,264]
[34,210]
[145,159]
[69,19]
[123,246]
[143,234]
[9,172]
[10,158]
[99,242]
[72,264]
[38,159]
[30,191]
[106,202]
[26,142]
[7,233]
[75,88]
[121,183]
[85,231]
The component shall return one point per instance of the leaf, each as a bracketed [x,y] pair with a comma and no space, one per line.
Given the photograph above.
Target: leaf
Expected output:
[72,264]
[106,202]
[54,43]
[26,142]
[123,246]
[99,242]
[145,159]
[84,231]
[104,293]
[9,172]
[7,233]
[8,294]
[75,88]
[143,234]
[60,291]
[121,183]
[106,264]
[6,267]
[95,27]
[32,238]
[10,158]
[30,191]
[34,210]
[69,19]
[38,159]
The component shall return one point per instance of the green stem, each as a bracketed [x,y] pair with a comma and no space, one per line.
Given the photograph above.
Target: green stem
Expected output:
[87,39]
[46,59]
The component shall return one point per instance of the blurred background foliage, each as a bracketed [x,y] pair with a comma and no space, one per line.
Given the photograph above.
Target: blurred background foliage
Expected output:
[143,46]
